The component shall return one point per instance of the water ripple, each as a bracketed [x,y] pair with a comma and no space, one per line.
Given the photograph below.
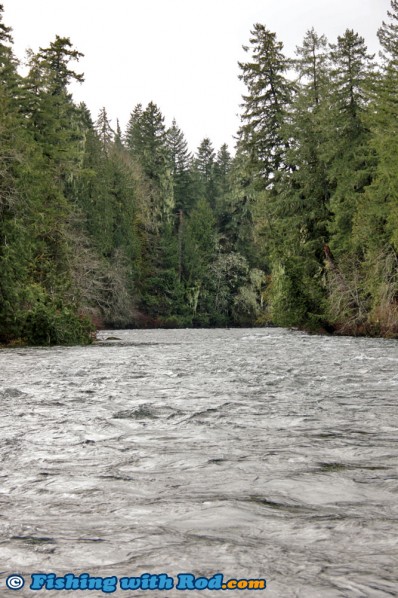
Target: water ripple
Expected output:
[257,453]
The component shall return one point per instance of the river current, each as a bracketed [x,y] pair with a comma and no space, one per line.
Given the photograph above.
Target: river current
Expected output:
[259,453]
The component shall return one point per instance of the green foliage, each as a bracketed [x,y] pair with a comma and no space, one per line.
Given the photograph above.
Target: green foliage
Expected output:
[265,106]
[180,159]
[204,167]
[299,228]
[328,169]
[295,297]
[49,325]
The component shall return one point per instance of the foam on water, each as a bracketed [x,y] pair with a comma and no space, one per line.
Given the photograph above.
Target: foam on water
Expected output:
[255,453]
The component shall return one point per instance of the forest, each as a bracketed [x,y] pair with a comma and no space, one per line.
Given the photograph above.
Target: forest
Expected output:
[298,227]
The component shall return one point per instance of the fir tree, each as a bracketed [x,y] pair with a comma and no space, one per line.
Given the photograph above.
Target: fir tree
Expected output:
[180,164]
[265,106]
[204,165]
[104,130]
[350,162]
[388,33]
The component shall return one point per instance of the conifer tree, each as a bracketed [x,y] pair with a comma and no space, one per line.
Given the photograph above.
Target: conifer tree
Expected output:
[302,204]
[350,162]
[53,118]
[376,218]
[388,33]
[9,78]
[265,105]
[118,136]
[222,169]
[180,164]
[146,141]
[15,242]
[133,137]
[382,121]
[104,130]
[204,167]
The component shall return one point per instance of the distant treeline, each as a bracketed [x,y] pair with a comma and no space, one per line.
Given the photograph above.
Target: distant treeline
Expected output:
[129,229]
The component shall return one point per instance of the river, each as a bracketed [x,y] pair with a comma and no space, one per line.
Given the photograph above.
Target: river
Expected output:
[259,454]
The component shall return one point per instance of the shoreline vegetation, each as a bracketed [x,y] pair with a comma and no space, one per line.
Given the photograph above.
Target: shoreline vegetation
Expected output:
[107,229]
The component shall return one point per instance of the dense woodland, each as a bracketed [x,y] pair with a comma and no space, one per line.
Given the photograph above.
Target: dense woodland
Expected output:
[104,227]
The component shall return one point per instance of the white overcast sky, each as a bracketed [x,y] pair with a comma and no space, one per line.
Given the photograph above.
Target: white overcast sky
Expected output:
[181,54]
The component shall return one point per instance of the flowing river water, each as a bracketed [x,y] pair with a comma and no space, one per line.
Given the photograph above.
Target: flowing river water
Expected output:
[259,453]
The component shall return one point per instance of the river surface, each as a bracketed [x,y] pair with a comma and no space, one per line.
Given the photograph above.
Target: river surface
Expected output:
[256,454]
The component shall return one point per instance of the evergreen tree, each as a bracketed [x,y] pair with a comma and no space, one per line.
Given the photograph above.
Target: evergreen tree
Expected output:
[298,228]
[146,140]
[118,136]
[382,121]
[35,245]
[388,33]
[352,66]
[15,242]
[235,207]
[53,118]
[350,162]
[301,205]
[9,78]
[266,104]
[311,66]
[222,169]
[204,168]
[298,205]
[180,165]
[133,137]
[200,245]
[104,130]
[376,218]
